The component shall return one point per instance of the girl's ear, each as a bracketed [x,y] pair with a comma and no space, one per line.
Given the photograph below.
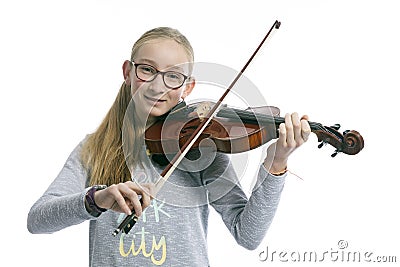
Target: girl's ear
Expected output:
[188,87]
[126,71]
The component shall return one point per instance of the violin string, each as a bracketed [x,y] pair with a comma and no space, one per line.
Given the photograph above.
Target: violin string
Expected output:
[261,118]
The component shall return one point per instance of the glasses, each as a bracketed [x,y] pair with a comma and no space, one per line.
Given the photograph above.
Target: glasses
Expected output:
[147,73]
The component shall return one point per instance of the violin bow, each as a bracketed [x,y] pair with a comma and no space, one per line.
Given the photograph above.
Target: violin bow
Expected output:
[127,224]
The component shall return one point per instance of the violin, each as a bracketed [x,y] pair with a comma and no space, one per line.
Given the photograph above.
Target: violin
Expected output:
[230,130]
[234,130]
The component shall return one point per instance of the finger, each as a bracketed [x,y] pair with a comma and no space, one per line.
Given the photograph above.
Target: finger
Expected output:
[282,136]
[297,129]
[145,192]
[117,193]
[304,117]
[150,190]
[146,200]
[289,131]
[131,192]
[140,189]
[305,129]
[137,205]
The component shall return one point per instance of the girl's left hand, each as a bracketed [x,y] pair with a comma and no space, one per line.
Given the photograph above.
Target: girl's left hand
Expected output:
[292,134]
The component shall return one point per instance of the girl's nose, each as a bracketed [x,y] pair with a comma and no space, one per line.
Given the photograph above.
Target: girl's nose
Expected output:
[157,85]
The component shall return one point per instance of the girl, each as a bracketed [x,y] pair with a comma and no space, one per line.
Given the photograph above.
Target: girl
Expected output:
[109,171]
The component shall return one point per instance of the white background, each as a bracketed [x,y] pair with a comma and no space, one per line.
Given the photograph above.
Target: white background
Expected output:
[337,61]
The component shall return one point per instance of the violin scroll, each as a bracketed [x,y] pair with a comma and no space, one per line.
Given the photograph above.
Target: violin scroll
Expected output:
[350,142]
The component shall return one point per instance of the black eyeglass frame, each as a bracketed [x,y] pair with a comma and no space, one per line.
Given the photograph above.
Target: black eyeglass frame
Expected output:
[159,72]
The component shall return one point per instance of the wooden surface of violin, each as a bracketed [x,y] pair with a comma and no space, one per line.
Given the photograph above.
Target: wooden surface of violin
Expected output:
[235,130]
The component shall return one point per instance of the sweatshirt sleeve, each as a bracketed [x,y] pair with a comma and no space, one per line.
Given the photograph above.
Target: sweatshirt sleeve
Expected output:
[62,204]
[248,219]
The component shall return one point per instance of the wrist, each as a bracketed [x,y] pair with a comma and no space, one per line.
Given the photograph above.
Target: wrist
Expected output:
[278,168]
[90,203]
[278,173]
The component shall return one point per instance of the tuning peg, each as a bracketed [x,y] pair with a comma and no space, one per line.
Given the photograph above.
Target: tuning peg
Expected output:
[345,132]
[336,126]
[335,153]
[320,145]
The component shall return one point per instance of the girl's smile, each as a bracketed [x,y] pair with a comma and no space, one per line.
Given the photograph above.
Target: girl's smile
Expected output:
[153,97]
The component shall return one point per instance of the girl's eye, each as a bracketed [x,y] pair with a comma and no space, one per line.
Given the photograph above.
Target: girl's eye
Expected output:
[147,70]
[172,75]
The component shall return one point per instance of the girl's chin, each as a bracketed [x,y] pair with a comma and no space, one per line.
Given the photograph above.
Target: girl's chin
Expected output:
[156,112]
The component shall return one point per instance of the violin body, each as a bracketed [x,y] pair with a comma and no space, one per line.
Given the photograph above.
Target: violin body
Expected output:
[234,131]
[228,135]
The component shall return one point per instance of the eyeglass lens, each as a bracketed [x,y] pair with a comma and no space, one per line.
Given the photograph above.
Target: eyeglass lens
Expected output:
[172,79]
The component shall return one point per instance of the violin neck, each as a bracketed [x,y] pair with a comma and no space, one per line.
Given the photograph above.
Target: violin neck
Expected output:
[350,142]
[252,117]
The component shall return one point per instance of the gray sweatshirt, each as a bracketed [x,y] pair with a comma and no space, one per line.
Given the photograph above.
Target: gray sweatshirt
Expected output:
[173,230]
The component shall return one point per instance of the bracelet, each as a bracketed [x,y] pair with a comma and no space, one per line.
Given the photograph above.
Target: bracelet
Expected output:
[94,210]
[279,173]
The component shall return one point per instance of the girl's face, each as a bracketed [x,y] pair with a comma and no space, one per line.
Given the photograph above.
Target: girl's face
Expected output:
[154,98]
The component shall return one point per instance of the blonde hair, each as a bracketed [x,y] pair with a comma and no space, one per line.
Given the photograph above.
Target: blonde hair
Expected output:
[167,33]
[102,153]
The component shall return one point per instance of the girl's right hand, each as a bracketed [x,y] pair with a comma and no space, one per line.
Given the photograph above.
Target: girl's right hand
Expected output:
[124,197]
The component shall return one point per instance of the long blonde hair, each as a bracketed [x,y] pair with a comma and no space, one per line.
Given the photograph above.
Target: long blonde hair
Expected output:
[102,153]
